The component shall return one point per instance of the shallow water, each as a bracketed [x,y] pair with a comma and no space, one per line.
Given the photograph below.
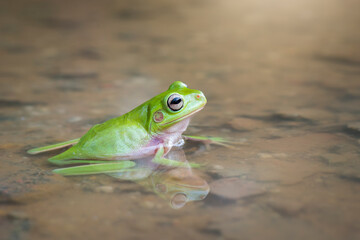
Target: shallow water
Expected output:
[281,79]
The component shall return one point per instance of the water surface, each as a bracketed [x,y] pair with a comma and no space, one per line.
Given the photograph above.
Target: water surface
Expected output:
[281,78]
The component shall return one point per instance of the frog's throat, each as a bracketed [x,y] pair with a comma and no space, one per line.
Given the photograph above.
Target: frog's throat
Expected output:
[183,117]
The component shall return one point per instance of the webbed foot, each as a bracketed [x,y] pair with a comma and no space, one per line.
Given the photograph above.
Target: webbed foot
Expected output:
[212,140]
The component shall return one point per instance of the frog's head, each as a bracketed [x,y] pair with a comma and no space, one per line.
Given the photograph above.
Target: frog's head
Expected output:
[175,105]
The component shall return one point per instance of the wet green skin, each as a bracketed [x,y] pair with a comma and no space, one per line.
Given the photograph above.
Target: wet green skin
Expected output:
[133,135]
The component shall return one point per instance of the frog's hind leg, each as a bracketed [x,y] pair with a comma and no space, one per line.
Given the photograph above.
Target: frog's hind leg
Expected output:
[61,162]
[211,140]
[110,167]
[53,146]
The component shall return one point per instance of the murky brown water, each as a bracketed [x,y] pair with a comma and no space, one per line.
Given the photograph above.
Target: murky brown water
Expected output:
[281,77]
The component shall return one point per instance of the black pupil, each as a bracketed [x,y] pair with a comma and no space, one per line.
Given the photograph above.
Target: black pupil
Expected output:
[176,100]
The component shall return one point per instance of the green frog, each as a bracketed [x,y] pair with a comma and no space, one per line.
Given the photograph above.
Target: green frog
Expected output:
[148,131]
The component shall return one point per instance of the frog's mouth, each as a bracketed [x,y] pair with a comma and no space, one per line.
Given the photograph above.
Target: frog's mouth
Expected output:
[184,117]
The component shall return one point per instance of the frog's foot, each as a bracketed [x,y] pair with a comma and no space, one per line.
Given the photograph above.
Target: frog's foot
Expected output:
[212,140]
[53,147]
[159,159]
[110,167]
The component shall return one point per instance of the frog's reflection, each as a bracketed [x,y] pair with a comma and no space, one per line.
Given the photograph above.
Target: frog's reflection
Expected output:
[178,185]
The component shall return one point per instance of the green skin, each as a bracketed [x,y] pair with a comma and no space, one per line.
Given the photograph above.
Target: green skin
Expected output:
[150,129]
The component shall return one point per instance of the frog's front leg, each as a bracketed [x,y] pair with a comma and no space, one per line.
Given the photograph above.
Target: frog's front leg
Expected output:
[210,140]
[159,159]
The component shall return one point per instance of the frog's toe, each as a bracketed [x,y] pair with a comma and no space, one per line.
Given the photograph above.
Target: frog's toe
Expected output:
[196,165]
[232,144]
[213,140]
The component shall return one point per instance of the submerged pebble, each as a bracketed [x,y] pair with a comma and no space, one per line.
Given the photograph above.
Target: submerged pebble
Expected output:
[17,215]
[245,124]
[272,155]
[332,158]
[217,167]
[104,189]
[236,188]
[75,119]
[285,207]
[355,126]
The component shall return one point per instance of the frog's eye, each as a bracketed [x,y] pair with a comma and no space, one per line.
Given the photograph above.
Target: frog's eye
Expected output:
[175,102]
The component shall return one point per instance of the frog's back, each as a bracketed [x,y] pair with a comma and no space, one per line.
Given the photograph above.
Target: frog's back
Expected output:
[112,139]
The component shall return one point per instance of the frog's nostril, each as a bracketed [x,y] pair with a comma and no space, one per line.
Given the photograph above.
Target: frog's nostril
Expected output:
[199,96]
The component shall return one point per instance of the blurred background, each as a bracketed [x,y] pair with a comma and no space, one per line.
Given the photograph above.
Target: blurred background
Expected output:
[281,78]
